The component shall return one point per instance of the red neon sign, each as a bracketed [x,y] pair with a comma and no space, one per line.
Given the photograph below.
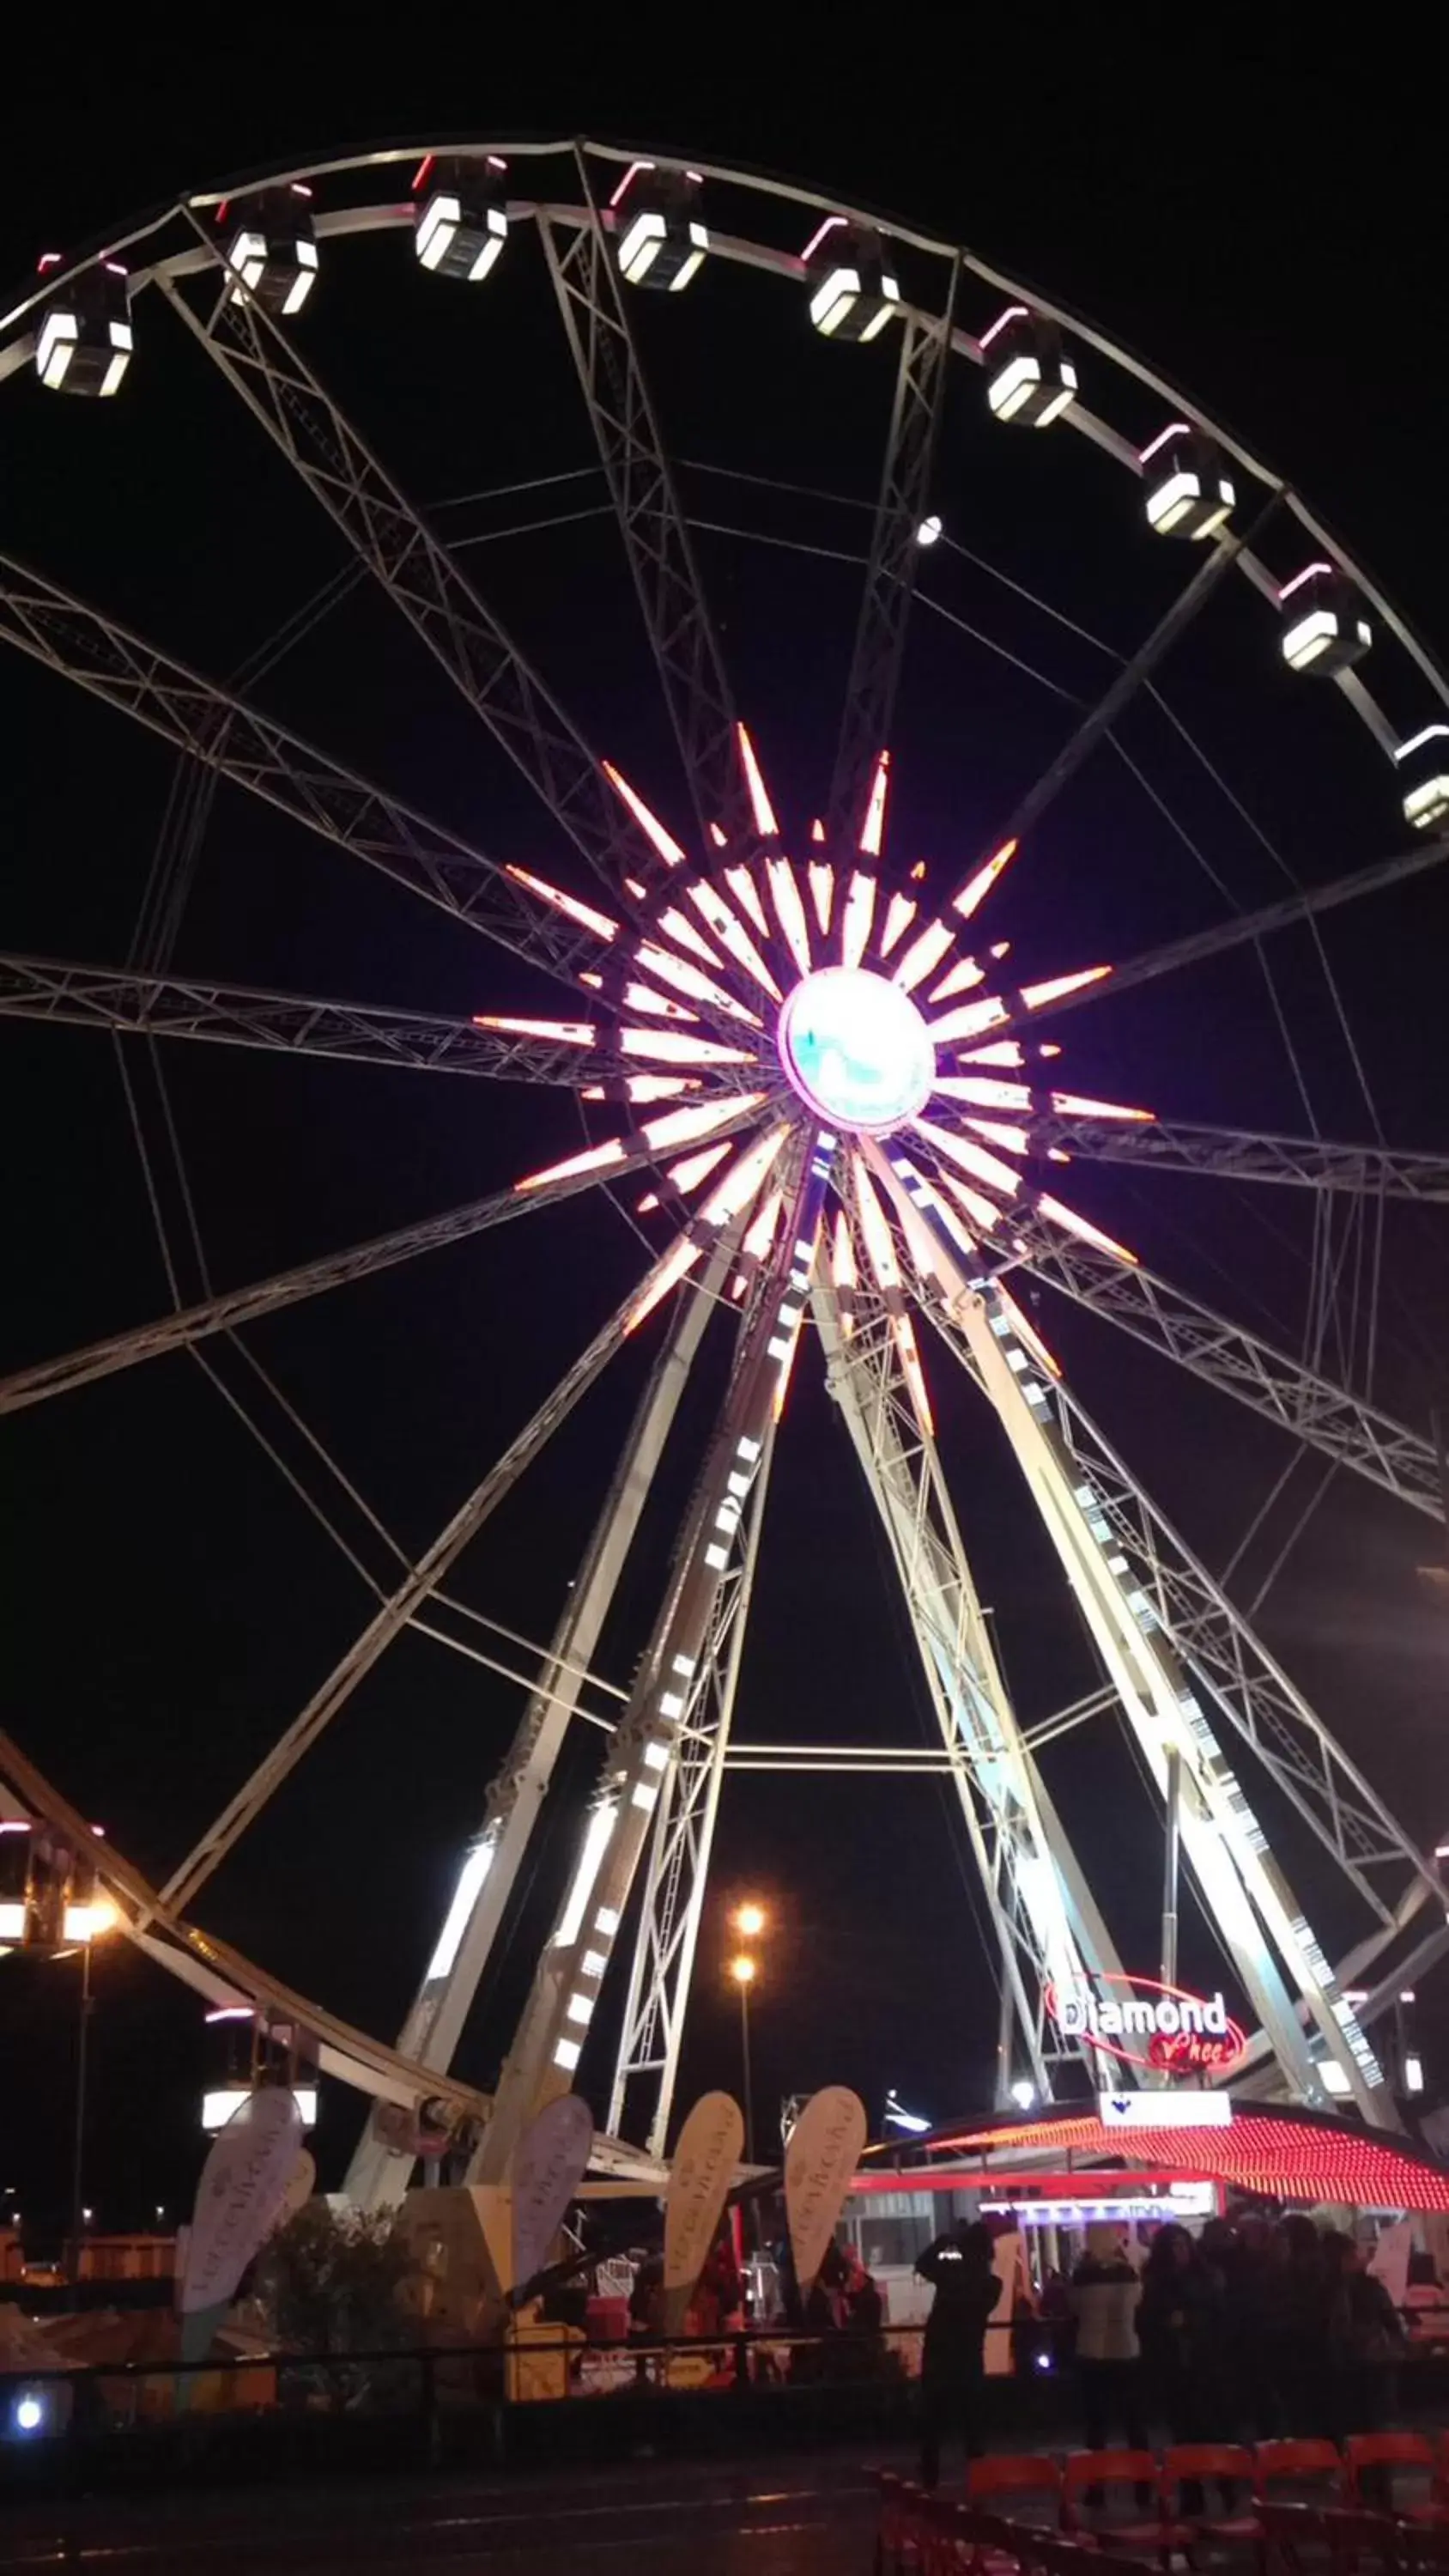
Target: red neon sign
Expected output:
[1181,2033]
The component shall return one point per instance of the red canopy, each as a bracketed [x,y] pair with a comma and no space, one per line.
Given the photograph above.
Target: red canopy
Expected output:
[1294,2155]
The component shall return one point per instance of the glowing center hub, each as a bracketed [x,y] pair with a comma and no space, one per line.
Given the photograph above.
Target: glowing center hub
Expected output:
[857,1049]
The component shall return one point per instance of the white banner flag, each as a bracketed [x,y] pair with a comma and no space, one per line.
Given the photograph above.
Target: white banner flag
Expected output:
[548,2166]
[820,2160]
[700,2176]
[243,2186]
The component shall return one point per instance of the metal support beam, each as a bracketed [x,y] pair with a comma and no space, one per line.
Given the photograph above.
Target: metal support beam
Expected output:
[1246,1683]
[244,1015]
[1247,928]
[656,535]
[1296,1162]
[378,2176]
[667,1934]
[1042,1913]
[1327,1417]
[1243,1890]
[922,376]
[226,735]
[419,575]
[550,2036]
[394,1614]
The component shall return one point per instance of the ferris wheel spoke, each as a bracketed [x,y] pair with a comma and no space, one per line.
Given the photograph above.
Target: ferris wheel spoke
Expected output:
[228,736]
[1046,1925]
[214,1968]
[1304,1162]
[922,377]
[1244,1892]
[1246,1683]
[238,1306]
[175,1006]
[378,2175]
[1097,723]
[1249,927]
[417,572]
[394,1614]
[655,532]
[1327,1417]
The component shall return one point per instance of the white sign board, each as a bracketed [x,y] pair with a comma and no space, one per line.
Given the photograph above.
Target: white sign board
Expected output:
[1166,2110]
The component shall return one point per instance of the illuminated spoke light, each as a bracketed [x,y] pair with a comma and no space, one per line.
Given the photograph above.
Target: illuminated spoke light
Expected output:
[979,1209]
[761,1236]
[1071,1104]
[984,1091]
[675,1046]
[679,1260]
[1035,996]
[785,895]
[598,1158]
[976,889]
[970,1158]
[562,1032]
[1000,1051]
[747,894]
[859,913]
[900,913]
[766,823]
[682,1126]
[731,933]
[964,976]
[682,931]
[822,892]
[924,955]
[744,1178]
[644,1086]
[970,1020]
[641,997]
[872,830]
[881,1253]
[689,979]
[598,922]
[1014,1139]
[664,842]
[1057,1214]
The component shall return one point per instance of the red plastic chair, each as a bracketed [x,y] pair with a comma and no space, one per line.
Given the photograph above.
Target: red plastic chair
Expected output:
[992,2545]
[1296,2538]
[1423,2545]
[1119,2516]
[891,2523]
[1308,2472]
[1030,2481]
[1222,2463]
[1362,2544]
[1412,2455]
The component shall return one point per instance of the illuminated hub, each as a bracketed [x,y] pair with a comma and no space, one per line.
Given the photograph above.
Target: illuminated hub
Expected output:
[856,1049]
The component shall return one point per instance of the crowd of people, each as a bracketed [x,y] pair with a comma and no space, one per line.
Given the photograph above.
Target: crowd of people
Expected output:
[1250,2330]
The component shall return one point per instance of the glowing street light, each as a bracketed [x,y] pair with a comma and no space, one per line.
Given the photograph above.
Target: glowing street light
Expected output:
[750,1921]
[742,1969]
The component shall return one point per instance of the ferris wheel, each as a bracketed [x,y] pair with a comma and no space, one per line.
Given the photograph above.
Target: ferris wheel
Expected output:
[841,1098]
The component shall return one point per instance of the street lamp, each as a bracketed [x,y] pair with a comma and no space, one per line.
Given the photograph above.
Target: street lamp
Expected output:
[99,1918]
[750,1921]
[742,1969]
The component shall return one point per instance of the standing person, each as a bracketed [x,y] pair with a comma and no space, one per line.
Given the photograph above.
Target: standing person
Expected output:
[959,2268]
[1178,2330]
[1298,2326]
[1104,2298]
[1365,2341]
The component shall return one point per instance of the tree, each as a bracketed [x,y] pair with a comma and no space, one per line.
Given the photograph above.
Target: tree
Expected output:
[330,2281]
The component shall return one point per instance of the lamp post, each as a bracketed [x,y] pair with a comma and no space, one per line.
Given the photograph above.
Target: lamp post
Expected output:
[742,1969]
[749,1920]
[101,1917]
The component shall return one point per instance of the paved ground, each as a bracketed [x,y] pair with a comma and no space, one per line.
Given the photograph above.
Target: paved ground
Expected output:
[812,2516]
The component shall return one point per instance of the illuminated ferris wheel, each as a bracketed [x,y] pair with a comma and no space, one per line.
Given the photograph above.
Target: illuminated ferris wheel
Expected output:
[842,1100]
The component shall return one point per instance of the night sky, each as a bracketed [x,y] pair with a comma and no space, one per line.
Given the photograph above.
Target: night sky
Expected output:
[166,1601]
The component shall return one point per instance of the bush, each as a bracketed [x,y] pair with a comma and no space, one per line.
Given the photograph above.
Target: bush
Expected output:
[329,2281]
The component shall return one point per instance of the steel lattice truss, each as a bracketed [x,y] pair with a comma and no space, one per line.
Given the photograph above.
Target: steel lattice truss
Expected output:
[828,1085]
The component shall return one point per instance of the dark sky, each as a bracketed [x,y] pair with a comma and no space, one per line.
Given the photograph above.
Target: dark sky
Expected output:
[1254,230]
